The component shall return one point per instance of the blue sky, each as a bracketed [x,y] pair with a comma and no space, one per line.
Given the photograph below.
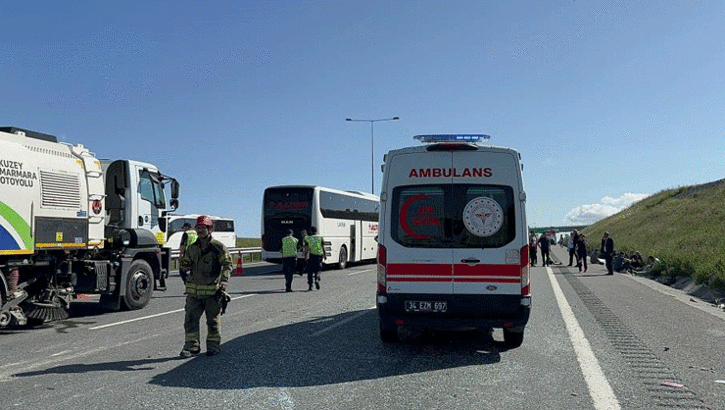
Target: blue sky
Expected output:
[607,101]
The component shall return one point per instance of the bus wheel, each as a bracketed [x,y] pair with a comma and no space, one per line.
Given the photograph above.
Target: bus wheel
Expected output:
[139,285]
[343,258]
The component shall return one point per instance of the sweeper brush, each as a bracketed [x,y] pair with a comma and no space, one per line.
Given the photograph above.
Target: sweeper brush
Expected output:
[45,312]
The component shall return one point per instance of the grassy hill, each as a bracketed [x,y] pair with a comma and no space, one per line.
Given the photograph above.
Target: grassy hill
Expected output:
[683,227]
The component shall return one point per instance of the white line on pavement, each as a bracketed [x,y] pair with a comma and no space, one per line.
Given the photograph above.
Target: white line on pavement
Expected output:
[151,316]
[362,271]
[342,322]
[599,388]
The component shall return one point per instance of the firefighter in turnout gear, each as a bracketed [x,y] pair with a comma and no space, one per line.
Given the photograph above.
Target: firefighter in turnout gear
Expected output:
[289,259]
[317,255]
[209,267]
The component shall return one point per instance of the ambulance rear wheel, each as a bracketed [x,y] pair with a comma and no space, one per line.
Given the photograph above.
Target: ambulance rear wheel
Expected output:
[342,264]
[513,337]
[388,332]
[139,285]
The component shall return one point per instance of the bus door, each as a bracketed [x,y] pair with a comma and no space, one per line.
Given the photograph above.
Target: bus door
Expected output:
[353,241]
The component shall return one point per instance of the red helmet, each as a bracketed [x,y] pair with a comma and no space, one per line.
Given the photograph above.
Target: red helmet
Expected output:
[205,220]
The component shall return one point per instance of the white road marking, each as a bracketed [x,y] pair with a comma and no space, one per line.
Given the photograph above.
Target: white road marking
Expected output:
[599,389]
[27,367]
[151,316]
[362,271]
[342,322]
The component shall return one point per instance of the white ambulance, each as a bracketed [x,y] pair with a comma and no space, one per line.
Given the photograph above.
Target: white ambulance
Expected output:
[452,251]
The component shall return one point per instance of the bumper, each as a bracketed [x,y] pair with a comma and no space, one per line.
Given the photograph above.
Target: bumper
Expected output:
[464,312]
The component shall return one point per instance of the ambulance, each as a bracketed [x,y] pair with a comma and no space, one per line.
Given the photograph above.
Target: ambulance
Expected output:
[452,248]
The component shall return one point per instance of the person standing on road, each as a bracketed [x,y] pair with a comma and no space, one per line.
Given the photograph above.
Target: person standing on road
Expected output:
[608,251]
[210,266]
[304,249]
[532,249]
[581,252]
[289,259]
[317,255]
[572,246]
[544,244]
[187,239]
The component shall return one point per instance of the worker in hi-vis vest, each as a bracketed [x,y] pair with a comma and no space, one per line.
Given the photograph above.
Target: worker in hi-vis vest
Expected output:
[289,259]
[317,255]
[187,239]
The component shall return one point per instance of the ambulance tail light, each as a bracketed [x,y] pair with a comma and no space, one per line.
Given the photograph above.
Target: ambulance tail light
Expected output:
[382,269]
[525,284]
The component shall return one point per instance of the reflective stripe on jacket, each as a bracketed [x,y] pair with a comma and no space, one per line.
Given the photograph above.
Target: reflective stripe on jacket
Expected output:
[208,268]
[289,246]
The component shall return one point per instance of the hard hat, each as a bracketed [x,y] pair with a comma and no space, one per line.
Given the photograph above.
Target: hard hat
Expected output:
[205,220]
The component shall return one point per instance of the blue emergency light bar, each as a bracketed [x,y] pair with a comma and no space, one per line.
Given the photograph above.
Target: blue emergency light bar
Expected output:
[451,138]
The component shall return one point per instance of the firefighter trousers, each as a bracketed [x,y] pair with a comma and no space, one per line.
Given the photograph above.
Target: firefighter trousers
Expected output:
[195,307]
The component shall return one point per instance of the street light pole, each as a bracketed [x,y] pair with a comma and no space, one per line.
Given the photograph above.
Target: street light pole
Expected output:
[372,147]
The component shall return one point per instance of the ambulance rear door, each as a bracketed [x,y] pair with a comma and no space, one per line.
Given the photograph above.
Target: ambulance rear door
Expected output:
[419,254]
[484,219]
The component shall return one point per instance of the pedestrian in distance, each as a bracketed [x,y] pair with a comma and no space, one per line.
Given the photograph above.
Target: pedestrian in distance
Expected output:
[544,244]
[315,244]
[304,249]
[607,251]
[571,246]
[187,239]
[581,252]
[289,259]
[210,266]
[532,249]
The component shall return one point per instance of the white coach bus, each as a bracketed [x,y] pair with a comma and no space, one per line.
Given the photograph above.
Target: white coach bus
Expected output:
[223,230]
[346,220]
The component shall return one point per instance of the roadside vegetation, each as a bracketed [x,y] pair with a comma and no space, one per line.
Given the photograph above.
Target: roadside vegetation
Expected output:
[248,243]
[683,227]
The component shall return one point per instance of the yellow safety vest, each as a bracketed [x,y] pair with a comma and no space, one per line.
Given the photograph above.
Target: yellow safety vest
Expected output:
[289,246]
[190,237]
[315,244]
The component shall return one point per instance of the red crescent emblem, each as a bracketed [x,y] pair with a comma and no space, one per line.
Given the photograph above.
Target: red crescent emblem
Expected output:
[404,210]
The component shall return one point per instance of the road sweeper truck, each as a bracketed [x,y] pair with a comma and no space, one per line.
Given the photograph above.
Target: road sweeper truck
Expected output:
[72,224]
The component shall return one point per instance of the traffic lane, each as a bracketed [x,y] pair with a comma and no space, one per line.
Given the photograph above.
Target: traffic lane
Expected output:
[339,360]
[650,339]
[322,348]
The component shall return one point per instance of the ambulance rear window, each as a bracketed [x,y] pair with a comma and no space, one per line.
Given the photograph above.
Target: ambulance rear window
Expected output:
[453,216]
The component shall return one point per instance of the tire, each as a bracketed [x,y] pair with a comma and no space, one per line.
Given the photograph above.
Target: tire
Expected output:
[139,285]
[342,264]
[513,337]
[388,332]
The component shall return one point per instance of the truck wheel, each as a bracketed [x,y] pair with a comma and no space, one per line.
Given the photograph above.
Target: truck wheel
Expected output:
[513,337]
[343,259]
[139,286]
[388,332]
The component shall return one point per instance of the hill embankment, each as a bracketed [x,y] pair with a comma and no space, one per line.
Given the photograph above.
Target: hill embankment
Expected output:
[683,227]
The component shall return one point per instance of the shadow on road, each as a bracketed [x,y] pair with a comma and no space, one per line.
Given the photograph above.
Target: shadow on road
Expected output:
[321,351]
[308,354]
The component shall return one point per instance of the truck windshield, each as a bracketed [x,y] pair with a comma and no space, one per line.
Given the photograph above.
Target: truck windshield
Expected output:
[151,189]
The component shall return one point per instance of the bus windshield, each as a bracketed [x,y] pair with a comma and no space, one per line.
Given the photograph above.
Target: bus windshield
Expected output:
[285,208]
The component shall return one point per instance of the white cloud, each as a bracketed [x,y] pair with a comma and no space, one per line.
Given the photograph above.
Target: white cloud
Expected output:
[588,214]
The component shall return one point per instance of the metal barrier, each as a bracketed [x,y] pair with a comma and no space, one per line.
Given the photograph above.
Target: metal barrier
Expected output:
[232,251]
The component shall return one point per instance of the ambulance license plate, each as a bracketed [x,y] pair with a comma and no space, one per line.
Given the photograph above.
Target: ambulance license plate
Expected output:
[425,306]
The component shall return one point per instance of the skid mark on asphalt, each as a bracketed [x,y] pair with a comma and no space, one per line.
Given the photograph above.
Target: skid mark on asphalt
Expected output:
[665,388]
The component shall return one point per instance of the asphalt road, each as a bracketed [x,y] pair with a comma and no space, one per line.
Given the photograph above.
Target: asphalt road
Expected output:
[593,342]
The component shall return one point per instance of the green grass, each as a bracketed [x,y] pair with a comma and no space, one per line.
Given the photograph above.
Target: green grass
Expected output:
[683,227]
[248,243]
